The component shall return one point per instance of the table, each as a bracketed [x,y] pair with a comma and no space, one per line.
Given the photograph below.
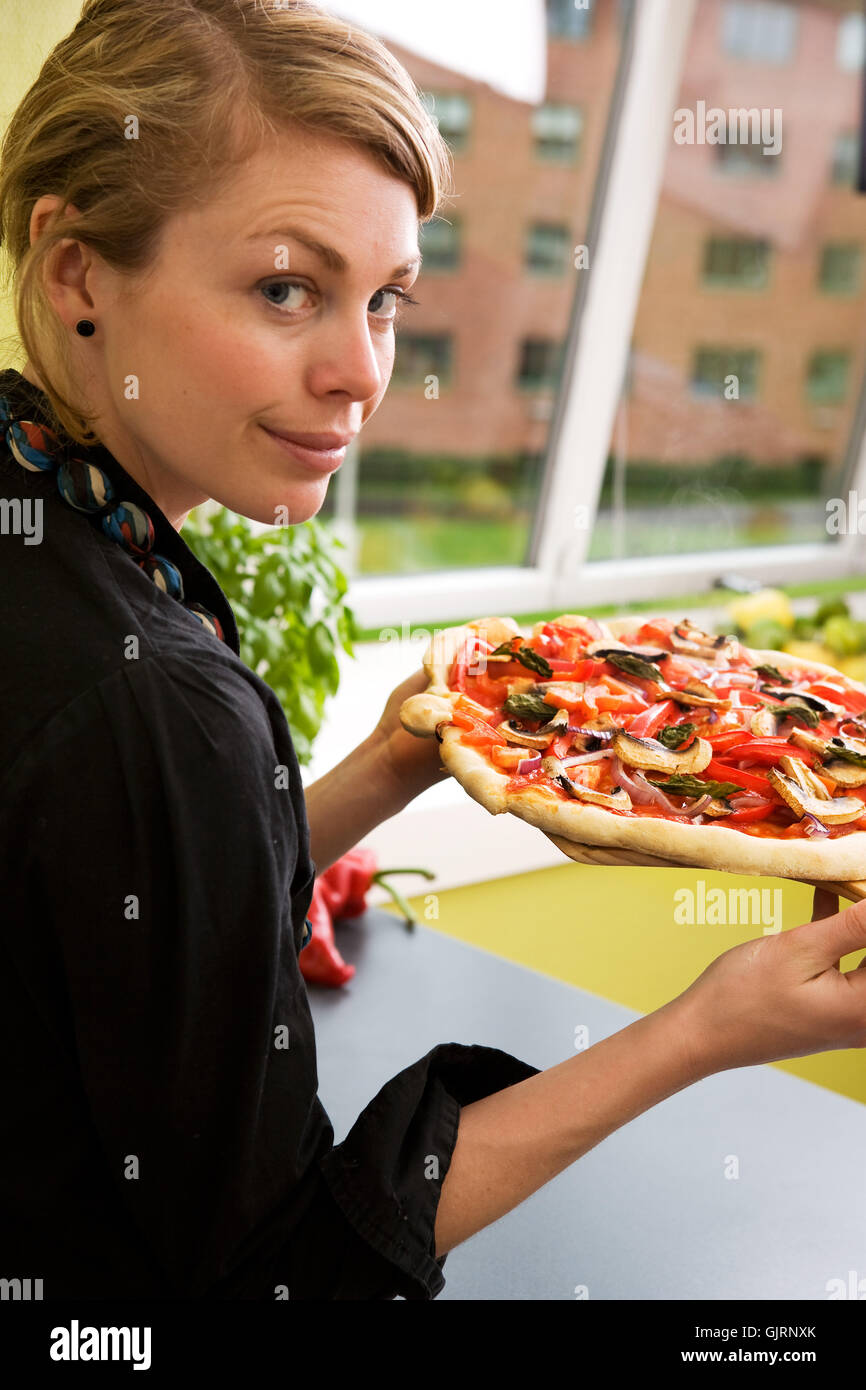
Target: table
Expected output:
[649,1213]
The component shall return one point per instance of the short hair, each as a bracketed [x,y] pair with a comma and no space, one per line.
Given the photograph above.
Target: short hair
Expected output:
[207,81]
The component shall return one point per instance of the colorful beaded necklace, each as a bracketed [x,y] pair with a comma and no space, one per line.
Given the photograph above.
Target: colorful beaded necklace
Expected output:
[88,488]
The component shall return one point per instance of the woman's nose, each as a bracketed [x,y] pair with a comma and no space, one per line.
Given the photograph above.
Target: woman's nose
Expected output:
[352,359]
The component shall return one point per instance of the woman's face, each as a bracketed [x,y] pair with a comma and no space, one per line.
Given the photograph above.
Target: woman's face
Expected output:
[244,326]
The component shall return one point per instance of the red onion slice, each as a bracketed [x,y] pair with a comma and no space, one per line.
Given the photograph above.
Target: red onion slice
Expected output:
[528,764]
[698,807]
[814,828]
[588,757]
[642,792]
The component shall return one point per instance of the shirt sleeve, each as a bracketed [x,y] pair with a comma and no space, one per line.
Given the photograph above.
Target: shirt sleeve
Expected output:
[167,856]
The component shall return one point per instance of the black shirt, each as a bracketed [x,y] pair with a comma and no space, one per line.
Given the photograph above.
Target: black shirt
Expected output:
[161,1135]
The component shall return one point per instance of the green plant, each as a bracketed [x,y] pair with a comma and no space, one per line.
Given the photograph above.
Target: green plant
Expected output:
[274,582]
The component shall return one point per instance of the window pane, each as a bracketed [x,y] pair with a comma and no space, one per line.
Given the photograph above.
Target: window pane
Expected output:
[450,466]
[749,344]
[569,19]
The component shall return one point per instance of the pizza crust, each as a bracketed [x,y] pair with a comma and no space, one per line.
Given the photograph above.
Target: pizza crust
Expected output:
[703,846]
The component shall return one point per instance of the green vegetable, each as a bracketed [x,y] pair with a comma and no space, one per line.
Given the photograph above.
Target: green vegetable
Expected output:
[791,710]
[831,608]
[772,674]
[844,636]
[767,634]
[529,706]
[846,755]
[634,665]
[684,784]
[526,656]
[804,629]
[273,582]
[673,735]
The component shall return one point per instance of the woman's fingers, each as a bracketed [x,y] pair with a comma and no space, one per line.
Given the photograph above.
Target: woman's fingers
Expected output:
[825,904]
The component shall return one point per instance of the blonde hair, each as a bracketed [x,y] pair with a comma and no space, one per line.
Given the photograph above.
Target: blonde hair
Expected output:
[207,81]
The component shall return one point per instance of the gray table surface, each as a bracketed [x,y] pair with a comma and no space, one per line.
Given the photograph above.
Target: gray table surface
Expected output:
[649,1213]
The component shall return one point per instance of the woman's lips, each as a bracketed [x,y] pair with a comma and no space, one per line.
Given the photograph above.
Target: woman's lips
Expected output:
[322,460]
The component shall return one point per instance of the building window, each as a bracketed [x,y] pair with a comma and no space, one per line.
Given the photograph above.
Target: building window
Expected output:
[746,161]
[440,244]
[547,248]
[569,19]
[557,130]
[452,112]
[851,42]
[846,157]
[840,268]
[419,355]
[729,373]
[736,263]
[760,33]
[827,380]
[540,363]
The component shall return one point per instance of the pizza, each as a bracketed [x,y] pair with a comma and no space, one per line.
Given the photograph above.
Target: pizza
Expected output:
[654,736]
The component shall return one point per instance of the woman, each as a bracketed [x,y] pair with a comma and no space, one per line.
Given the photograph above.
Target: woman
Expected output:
[211,209]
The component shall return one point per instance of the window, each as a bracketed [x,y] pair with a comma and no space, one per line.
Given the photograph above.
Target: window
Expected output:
[736,263]
[840,268]
[569,19]
[728,373]
[827,377]
[851,42]
[846,158]
[540,363]
[557,130]
[548,248]
[746,161]
[419,355]
[440,244]
[759,32]
[452,112]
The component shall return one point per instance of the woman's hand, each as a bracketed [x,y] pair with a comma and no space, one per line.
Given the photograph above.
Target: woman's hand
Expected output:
[412,762]
[780,996]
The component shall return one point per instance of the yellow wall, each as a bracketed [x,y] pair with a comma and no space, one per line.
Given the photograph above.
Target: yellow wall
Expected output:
[612,931]
[29,29]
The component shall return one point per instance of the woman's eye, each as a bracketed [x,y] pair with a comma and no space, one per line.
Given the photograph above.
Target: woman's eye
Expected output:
[289,285]
[392,300]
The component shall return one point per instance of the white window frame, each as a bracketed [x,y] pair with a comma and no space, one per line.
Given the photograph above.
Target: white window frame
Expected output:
[559,575]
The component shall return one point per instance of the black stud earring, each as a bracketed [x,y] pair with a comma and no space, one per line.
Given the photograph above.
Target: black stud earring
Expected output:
[85,327]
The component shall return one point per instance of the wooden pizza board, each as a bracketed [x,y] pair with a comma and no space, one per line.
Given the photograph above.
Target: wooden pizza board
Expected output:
[596,854]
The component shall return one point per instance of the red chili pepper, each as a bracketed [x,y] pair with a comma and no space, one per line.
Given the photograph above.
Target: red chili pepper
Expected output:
[320,961]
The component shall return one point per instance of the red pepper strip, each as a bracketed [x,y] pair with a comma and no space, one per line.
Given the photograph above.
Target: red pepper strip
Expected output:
[320,961]
[751,813]
[747,697]
[651,720]
[721,772]
[853,700]
[476,729]
[560,746]
[767,750]
[724,740]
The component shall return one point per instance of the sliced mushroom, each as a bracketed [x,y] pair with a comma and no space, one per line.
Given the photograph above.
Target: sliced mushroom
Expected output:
[697,693]
[846,774]
[513,734]
[814,743]
[617,800]
[718,808]
[836,811]
[763,723]
[646,753]
[812,785]
[690,640]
